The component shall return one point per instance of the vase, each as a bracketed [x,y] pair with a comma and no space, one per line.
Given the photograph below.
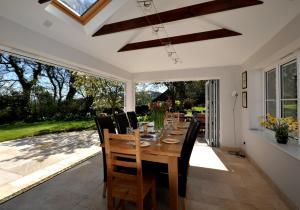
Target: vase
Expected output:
[158,118]
[282,138]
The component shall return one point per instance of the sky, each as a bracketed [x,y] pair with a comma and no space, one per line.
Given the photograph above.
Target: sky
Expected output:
[150,87]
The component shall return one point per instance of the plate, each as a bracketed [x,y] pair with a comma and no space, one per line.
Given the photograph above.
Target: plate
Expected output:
[170,141]
[176,133]
[145,143]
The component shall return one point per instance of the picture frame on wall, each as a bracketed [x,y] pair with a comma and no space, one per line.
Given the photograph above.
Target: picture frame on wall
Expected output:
[244,99]
[244,80]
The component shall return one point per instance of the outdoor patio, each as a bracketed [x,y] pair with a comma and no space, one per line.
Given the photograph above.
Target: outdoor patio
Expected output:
[27,162]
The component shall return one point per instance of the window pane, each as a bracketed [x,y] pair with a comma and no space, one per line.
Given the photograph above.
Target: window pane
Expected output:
[289,80]
[79,7]
[271,108]
[289,109]
[271,84]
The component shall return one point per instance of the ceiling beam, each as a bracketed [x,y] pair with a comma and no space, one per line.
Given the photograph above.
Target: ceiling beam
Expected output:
[207,35]
[176,14]
[43,1]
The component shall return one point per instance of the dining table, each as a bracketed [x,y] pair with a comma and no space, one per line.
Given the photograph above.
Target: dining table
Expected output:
[167,153]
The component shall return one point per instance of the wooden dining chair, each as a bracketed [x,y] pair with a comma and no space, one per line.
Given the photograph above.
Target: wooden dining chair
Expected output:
[126,185]
[176,116]
[132,119]
[122,122]
[104,122]
[172,116]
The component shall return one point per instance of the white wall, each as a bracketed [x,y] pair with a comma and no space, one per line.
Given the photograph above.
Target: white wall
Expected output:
[279,162]
[16,36]
[229,81]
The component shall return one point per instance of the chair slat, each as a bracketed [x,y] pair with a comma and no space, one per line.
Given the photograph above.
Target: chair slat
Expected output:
[126,137]
[124,176]
[126,151]
[124,163]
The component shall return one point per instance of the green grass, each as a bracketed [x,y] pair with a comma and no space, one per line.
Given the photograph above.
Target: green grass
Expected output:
[196,109]
[21,130]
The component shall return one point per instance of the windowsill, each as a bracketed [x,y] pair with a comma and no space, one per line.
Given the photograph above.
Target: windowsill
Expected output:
[292,148]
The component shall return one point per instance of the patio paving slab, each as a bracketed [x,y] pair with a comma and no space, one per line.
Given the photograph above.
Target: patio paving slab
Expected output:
[27,162]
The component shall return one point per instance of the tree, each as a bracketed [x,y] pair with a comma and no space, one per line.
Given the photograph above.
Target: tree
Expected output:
[72,89]
[23,71]
[105,93]
[59,79]
[182,91]
[143,98]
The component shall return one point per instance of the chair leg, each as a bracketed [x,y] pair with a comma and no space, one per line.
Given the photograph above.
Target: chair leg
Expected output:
[183,203]
[153,195]
[104,190]
[140,205]
[110,202]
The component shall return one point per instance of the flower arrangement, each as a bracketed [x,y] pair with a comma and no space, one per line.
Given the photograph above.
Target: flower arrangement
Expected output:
[158,110]
[282,126]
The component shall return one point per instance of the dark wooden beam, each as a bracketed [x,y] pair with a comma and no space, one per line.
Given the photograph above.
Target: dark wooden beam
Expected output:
[176,14]
[43,1]
[215,34]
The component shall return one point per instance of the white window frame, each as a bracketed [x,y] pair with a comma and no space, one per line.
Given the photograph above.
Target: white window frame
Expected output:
[280,90]
[277,66]
[265,90]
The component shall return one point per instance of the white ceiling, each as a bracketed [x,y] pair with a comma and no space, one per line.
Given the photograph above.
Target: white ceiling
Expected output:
[258,24]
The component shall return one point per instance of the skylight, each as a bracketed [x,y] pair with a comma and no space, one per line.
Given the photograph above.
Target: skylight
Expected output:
[79,7]
[81,10]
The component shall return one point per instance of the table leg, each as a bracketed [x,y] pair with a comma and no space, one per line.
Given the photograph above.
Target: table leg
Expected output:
[173,182]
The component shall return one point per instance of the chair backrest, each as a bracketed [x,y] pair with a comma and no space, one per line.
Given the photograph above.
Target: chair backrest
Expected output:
[186,152]
[104,122]
[121,122]
[125,157]
[132,119]
[173,116]
[190,138]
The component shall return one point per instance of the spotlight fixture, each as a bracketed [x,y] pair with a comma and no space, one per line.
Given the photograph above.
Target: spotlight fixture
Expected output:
[156,29]
[170,54]
[145,3]
[148,6]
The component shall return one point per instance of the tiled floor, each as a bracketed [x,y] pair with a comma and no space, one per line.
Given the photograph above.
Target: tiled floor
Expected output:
[217,181]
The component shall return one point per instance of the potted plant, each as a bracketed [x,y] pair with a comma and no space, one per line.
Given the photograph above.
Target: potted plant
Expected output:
[283,127]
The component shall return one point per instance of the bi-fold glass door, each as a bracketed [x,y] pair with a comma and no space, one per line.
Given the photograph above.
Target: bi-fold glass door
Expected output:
[212,113]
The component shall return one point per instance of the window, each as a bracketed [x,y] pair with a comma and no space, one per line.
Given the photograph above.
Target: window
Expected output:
[288,100]
[281,91]
[81,10]
[270,99]
[79,7]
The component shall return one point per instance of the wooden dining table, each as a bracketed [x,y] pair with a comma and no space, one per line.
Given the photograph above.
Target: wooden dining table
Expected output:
[161,152]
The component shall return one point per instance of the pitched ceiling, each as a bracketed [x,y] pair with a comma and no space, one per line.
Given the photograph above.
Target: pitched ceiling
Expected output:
[257,24]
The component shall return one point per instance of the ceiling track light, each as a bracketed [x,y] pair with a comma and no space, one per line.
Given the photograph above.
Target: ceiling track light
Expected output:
[147,6]
[156,29]
[170,54]
[145,3]
[176,60]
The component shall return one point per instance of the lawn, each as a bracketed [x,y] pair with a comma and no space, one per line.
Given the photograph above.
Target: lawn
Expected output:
[21,129]
[195,109]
